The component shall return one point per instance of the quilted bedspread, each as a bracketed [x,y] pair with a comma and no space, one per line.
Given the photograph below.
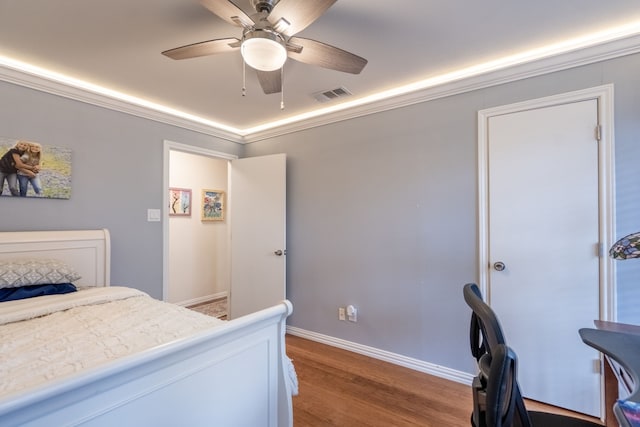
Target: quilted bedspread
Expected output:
[55,336]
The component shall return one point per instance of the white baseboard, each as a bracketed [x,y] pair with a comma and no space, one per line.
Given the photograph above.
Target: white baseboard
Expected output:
[199,300]
[387,356]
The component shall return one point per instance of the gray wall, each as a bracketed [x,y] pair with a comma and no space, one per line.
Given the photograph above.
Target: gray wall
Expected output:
[116,176]
[382,214]
[381,209]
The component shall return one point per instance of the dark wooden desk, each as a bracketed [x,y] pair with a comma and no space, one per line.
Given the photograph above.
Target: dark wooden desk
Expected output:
[616,374]
[620,343]
[617,327]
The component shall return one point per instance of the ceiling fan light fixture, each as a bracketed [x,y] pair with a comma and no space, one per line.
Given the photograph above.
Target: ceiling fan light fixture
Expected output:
[263,50]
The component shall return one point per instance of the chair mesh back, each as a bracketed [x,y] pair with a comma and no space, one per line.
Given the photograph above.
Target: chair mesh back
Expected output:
[483,320]
[485,337]
[501,393]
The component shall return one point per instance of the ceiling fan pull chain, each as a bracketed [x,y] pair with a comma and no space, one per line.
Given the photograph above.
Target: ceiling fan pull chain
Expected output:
[282,88]
[244,79]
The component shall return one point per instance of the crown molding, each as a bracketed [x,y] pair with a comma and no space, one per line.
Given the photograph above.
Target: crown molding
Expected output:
[559,62]
[49,85]
[563,61]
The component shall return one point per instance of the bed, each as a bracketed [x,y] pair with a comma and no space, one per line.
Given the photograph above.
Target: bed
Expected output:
[223,373]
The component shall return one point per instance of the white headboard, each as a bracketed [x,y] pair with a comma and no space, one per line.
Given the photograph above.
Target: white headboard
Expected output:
[87,251]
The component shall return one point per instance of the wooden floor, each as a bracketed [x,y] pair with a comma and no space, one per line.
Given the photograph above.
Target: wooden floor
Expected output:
[342,388]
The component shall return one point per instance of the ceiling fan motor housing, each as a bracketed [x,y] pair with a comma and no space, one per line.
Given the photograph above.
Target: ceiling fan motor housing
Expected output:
[263,5]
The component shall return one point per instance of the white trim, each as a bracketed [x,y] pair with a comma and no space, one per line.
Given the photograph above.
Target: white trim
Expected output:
[203,299]
[604,96]
[606,188]
[387,356]
[169,146]
[608,305]
[442,86]
[133,107]
[509,74]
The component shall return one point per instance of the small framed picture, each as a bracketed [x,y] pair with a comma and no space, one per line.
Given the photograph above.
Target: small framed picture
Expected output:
[179,202]
[213,205]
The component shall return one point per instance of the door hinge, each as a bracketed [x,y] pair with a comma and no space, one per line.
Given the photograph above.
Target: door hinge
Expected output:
[598,133]
[597,366]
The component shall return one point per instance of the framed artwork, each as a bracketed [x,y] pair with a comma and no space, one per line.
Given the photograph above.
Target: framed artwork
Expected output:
[45,171]
[213,205]
[179,202]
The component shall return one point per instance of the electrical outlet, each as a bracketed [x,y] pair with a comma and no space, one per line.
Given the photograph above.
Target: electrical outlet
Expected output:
[341,313]
[352,313]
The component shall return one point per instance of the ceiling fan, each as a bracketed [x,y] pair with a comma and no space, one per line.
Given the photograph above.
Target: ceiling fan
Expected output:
[268,39]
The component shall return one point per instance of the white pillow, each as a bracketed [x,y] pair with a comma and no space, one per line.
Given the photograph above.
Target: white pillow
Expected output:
[27,272]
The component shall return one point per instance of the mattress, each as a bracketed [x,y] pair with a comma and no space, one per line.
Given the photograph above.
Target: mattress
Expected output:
[55,336]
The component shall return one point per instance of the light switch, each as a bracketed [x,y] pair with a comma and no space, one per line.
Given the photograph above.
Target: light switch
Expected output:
[153,215]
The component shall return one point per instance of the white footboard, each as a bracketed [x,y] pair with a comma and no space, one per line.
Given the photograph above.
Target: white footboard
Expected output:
[231,376]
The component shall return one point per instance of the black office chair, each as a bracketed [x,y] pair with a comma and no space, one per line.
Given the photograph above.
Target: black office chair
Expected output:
[503,400]
[485,334]
[485,331]
[502,397]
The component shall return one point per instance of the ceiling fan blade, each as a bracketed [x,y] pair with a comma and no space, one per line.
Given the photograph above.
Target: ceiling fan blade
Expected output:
[324,55]
[292,16]
[210,47]
[228,11]
[271,81]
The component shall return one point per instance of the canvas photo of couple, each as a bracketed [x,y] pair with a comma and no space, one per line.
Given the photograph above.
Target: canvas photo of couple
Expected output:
[29,169]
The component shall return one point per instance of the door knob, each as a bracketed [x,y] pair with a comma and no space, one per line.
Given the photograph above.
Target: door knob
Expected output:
[280,252]
[499,266]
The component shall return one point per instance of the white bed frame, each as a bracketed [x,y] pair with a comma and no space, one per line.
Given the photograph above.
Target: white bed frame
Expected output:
[231,376]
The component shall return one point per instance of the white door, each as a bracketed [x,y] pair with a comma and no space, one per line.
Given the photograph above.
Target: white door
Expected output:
[258,216]
[544,277]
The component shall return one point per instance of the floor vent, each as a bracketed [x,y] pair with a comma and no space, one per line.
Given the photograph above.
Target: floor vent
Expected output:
[329,95]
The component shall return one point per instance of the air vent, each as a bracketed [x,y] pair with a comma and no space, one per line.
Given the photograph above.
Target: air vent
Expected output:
[329,95]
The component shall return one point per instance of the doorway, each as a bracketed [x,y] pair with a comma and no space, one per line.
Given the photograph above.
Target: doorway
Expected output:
[254,228]
[545,213]
[191,246]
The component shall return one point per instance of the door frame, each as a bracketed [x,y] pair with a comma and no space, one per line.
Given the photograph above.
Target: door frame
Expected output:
[606,193]
[169,146]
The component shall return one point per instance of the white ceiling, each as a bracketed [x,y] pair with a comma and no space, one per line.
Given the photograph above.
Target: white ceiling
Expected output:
[116,44]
